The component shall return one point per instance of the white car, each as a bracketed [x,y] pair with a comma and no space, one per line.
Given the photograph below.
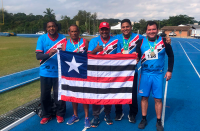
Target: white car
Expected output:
[85,33]
[40,32]
[144,34]
[172,34]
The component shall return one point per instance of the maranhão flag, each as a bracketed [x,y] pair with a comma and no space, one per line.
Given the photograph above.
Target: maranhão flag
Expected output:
[96,79]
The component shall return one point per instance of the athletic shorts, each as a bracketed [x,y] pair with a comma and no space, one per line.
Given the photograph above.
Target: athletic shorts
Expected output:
[152,83]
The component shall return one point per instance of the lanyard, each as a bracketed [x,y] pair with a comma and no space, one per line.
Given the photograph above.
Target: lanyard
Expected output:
[152,48]
[126,44]
[74,45]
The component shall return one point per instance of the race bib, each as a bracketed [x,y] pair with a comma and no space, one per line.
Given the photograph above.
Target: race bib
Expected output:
[148,55]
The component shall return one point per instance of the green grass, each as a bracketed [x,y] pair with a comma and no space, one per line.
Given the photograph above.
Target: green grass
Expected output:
[17,54]
[19,96]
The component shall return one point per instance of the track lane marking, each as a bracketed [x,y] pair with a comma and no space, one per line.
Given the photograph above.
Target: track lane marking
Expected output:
[190,60]
[192,45]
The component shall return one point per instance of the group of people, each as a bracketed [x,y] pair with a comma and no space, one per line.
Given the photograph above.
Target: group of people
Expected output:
[151,50]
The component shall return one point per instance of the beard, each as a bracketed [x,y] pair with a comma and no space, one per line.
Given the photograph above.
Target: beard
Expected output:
[152,38]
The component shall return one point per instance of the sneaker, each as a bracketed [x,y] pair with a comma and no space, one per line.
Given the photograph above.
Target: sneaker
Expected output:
[131,118]
[95,122]
[119,117]
[45,120]
[87,122]
[142,124]
[59,119]
[108,120]
[159,126]
[72,120]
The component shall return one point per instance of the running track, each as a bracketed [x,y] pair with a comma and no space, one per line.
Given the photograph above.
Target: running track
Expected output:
[182,104]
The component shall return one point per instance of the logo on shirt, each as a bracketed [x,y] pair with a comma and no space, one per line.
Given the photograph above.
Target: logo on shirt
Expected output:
[141,91]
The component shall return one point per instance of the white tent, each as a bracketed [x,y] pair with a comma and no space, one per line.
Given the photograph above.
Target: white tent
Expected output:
[116,27]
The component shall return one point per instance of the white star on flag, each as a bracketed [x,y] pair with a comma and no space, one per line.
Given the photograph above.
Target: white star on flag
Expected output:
[73,65]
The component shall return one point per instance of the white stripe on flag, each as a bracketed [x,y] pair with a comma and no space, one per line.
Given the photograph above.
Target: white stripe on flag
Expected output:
[110,73]
[95,84]
[111,62]
[97,96]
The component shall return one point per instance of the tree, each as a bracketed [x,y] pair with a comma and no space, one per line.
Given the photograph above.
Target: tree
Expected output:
[49,15]
[180,19]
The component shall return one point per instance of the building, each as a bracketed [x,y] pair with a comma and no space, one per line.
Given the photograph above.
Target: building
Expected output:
[179,31]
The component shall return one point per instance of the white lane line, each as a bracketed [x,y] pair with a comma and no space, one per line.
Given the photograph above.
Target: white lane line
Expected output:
[196,42]
[19,84]
[18,121]
[164,104]
[20,72]
[193,46]
[93,119]
[190,60]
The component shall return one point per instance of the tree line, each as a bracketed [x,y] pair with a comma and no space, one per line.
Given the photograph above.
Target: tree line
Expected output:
[88,22]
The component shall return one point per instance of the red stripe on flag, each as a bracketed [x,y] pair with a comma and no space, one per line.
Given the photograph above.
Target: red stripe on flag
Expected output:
[102,79]
[96,101]
[113,56]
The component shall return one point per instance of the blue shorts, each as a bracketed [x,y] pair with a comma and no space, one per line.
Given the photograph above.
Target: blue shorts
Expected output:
[151,82]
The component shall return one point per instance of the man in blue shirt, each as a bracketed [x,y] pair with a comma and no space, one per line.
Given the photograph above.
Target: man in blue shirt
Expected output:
[46,49]
[103,44]
[78,45]
[152,51]
[127,45]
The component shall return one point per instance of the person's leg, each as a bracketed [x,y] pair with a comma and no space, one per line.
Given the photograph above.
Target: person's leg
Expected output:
[86,109]
[144,105]
[75,108]
[107,110]
[157,93]
[96,111]
[134,106]
[144,91]
[87,120]
[60,105]
[45,98]
[119,112]
[158,107]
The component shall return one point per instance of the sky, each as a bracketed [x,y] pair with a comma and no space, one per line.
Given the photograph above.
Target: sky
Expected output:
[117,9]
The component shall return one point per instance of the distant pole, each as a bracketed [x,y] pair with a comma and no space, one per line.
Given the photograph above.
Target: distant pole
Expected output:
[89,25]
[2,12]
[86,22]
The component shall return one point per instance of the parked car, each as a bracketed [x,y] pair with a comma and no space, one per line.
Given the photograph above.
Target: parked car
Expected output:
[97,33]
[144,34]
[40,32]
[85,33]
[172,34]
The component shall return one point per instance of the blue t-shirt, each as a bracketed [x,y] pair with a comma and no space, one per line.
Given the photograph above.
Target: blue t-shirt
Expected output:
[132,42]
[154,66]
[69,46]
[49,67]
[108,48]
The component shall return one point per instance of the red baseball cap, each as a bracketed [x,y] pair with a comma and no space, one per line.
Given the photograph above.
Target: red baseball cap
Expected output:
[104,24]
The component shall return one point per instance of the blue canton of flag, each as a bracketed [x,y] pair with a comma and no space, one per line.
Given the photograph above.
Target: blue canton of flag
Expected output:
[73,64]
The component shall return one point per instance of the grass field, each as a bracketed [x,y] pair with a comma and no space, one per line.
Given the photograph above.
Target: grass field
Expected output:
[17,54]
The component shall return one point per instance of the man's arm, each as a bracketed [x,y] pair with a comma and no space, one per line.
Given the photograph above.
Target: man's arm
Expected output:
[170,55]
[138,51]
[95,50]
